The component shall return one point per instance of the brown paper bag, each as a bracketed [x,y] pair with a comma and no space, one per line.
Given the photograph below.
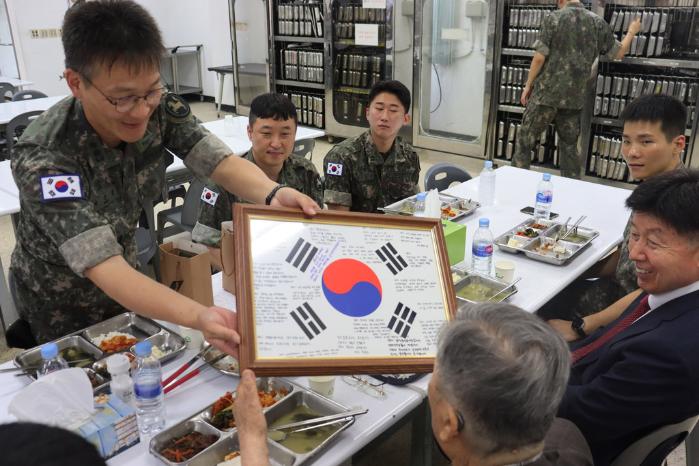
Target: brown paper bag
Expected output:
[185,267]
[227,256]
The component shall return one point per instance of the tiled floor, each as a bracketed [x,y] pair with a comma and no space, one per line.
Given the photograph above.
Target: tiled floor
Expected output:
[397,446]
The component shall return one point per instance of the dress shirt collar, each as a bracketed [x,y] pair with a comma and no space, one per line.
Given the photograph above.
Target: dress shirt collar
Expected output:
[657,300]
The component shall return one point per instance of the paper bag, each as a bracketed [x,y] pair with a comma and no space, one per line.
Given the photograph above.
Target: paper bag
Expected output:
[185,267]
[227,256]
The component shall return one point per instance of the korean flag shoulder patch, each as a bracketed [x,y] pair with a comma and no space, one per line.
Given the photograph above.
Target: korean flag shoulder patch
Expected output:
[60,187]
[334,169]
[209,196]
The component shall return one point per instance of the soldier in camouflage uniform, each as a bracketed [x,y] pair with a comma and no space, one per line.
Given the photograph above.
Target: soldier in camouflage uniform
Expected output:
[86,166]
[569,42]
[272,131]
[653,139]
[376,168]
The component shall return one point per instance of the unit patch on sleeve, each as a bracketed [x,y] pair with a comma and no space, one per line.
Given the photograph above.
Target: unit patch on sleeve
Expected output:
[334,169]
[57,187]
[209,196]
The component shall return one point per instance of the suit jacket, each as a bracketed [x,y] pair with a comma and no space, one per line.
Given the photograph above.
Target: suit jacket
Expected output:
[565,446]
[645,377]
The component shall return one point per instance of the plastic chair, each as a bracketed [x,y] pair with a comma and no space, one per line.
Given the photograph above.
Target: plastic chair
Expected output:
[16,127]
[184,217]
[441,175]
[652,449]
[304,148]
[146,240]
[6,88]
[27,95]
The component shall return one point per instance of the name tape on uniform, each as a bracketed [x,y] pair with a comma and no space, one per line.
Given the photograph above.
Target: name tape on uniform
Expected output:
[334,169]
[209,196]
[57,187]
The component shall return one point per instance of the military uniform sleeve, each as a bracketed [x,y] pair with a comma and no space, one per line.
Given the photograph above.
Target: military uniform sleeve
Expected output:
[207,230]
[71,224]
[314,185]
[608,43]
[543,42]
[187,138]
[338,179]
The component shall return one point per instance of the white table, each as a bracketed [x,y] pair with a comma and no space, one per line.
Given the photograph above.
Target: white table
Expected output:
[197,393]
[9,110]
[15,82]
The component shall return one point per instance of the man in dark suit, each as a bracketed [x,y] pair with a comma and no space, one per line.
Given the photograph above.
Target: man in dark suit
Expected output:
[642,370]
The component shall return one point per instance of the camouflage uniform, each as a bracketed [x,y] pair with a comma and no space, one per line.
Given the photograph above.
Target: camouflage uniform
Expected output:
[297,172]
[58,240]
[571,39]
[363,179]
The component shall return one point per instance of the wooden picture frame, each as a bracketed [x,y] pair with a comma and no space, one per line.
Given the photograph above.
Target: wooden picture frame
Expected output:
[339,293]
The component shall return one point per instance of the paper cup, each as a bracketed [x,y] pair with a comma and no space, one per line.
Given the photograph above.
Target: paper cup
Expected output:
[229,126]
[505,270]
[323,384]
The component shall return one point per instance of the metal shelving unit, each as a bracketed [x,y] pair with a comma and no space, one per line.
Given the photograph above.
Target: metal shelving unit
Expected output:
[178,60]
[300,39]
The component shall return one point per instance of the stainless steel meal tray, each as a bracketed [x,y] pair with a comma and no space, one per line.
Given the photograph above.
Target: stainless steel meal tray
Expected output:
[473,278]
[464,207]
[228,440]
[263,383]
[128,322]
[502,240]
[170,343]
[572,248]
[224,365]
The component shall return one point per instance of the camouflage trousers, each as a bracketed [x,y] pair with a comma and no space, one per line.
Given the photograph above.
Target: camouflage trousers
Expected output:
[535,120]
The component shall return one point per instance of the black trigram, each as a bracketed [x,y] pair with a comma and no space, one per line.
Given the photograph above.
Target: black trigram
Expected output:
[390,257]
[301,254]
[308,320]
[401,320]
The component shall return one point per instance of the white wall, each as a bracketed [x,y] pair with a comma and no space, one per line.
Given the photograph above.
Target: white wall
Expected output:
[181,22]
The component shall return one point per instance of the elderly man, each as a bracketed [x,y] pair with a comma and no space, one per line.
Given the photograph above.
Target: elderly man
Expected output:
[499,376]
[641,371]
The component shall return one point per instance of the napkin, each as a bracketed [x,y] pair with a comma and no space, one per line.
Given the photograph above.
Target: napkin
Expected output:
[63,398]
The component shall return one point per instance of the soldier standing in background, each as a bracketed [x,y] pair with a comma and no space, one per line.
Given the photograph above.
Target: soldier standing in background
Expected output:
[570,40]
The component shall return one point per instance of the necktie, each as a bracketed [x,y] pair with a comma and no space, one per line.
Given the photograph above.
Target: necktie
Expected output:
[622,325]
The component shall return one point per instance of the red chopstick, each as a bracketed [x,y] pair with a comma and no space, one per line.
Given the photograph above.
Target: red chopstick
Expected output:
[190,374]
[185,366]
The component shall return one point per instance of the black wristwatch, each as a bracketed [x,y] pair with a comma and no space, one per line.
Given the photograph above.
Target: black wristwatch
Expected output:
[578,325]
[272,193]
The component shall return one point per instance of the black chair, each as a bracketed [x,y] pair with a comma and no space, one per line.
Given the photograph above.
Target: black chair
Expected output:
[16,127]
[19,333]
[441,175]
[146,240]
[304,148]
[183,217]
[27,95]
[5,89]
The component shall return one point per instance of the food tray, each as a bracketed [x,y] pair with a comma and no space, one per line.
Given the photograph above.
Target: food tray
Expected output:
[228,440]
[140,327]
[469,279]
[460,207]
[228,365]
[532,246]
[529,224]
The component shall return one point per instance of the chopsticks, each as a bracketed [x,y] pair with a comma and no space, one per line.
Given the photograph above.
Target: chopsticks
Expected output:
[322,419]
[574,228]
[170,383]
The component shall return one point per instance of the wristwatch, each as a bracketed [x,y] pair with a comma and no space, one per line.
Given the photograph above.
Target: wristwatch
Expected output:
[272,193]
[578,325]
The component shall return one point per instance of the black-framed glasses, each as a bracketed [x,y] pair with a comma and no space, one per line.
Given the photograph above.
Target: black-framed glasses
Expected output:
[126,104]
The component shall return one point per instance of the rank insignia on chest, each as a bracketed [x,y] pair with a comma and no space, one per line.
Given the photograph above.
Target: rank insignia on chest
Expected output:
[209,196]
[334,169]
[58,187]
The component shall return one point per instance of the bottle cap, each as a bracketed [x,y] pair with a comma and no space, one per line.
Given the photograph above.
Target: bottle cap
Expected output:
[49,350]
[118,363]
[421,196]
[488,164]
[483,222]
[547,177]
[143,348]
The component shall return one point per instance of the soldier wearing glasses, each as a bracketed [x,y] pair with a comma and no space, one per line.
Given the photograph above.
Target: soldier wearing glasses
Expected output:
[86,167]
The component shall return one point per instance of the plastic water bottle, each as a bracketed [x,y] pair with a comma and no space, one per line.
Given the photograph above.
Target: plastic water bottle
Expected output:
[486,187]
[420,202]
[150,410]
[544,198]
[52,362]
[121,384]
[482,248]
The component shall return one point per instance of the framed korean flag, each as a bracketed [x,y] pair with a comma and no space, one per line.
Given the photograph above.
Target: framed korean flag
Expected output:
[339,293]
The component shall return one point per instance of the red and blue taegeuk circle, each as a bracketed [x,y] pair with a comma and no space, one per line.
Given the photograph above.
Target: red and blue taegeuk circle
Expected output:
[61,186]
[351,287]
